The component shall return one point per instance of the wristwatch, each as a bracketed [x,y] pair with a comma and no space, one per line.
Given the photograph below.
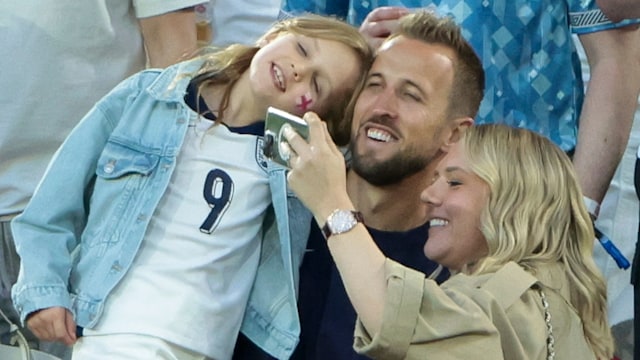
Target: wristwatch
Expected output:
[341,221]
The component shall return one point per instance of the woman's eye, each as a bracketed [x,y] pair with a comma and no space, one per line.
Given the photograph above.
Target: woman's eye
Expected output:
[302,50]
[454,182]
[316,86]
[373,84]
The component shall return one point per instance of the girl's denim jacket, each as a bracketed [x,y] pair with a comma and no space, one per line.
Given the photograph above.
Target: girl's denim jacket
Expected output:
[80,233]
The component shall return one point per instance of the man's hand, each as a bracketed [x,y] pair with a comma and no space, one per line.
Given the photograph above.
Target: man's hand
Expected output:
[380,23]
[53,324]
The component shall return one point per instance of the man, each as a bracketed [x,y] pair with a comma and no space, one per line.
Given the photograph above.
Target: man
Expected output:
[58,58]
[422,92]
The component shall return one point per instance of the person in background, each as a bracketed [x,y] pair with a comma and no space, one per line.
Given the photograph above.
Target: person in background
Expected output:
[507,217]
[422,92]
[241,21]
[58,58]
[635,272]
[619,219]
[162,193]
[618,10]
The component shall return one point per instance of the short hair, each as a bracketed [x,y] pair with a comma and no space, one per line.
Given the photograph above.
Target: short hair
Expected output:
[468,83]
[535,215]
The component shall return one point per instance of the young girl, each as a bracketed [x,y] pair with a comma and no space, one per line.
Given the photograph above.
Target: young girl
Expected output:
[154,225]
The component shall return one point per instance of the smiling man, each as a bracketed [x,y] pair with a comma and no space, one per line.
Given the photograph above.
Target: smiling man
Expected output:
[422,91]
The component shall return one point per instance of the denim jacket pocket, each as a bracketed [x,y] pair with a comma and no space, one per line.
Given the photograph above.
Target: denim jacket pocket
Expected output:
[118,160]
[123,172]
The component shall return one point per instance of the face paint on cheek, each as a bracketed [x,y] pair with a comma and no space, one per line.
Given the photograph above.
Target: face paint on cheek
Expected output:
[304,102]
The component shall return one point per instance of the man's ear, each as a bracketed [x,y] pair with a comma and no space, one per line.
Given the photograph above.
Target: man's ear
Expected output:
[458,127]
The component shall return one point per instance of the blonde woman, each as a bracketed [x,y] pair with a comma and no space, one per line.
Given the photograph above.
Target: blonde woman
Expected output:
[152,234]
[507,216]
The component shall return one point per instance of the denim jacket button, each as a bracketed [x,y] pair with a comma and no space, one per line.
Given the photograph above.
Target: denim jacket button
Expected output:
[116,267]
[110,166]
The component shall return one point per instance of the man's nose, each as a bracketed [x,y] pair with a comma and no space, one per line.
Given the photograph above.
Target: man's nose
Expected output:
[386,104]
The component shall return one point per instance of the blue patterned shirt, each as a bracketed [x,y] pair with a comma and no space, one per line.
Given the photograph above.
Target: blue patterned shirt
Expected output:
[533,76]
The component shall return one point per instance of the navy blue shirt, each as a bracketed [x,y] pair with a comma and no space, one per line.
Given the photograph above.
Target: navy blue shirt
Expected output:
[326,314]
[197,104]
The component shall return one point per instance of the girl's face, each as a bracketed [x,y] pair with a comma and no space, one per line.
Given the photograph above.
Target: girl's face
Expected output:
[455,201]
[297,73]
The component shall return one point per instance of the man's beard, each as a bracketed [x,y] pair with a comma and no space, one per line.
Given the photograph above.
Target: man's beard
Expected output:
[391,171]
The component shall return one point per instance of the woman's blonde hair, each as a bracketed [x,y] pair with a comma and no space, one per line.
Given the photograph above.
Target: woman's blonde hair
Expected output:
[535,215]
[227,65]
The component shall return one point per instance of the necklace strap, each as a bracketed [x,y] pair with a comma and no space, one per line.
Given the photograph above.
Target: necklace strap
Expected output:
[551,353]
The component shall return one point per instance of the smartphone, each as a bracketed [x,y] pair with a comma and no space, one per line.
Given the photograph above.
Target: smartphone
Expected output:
[273,138]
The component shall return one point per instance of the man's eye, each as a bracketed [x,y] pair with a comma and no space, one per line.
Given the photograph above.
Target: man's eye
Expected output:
[373,84]
[302,50]
[413,96]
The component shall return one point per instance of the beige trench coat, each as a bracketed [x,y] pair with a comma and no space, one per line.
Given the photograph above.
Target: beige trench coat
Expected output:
[491,316]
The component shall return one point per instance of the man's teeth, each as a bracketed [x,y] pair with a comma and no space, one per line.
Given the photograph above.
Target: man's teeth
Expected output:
[438,222]
[378,135]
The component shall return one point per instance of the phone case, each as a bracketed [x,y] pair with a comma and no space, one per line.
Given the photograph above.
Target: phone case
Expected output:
[273,137]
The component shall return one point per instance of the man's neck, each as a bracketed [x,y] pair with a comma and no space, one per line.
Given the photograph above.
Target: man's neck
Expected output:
[389,208]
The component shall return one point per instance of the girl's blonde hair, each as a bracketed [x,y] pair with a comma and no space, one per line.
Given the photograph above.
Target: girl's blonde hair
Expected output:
[227,65]
[535,215]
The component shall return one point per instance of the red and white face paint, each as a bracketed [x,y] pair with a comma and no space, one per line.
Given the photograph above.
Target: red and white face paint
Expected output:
[304,102]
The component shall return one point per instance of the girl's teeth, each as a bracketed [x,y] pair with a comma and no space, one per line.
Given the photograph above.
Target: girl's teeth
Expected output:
[279,77]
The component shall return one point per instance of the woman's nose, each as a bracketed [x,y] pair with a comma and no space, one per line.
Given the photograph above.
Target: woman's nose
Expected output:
[428,195]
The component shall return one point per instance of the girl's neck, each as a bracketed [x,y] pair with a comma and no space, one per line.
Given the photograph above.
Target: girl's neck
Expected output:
[241,109]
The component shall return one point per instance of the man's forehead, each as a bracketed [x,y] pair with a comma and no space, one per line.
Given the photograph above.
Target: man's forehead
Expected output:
[404,44]
[410,55]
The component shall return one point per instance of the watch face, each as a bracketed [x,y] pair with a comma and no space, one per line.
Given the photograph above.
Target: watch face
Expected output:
[342,221]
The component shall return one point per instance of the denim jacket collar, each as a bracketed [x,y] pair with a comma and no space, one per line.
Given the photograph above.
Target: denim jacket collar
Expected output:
[175,77]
